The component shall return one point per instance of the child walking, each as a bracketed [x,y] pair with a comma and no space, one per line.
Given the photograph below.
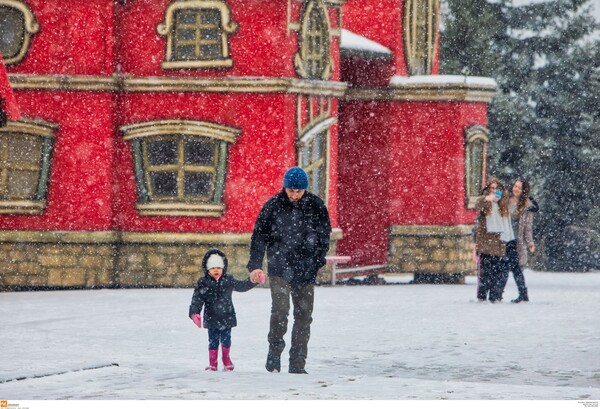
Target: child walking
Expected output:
[213,292]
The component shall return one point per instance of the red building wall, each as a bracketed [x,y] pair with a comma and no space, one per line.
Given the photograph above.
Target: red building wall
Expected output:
[364,181]
[91,185]
[427,159]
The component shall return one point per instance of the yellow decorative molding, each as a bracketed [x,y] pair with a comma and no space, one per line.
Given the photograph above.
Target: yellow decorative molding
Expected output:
[176,84]
[31,26]
[30,126]
[114,237]
[421,21]
[186,238]
[181,126]
[173,209]
[21,207]
[228,27]
[431,230]
[29,236]
[425,92]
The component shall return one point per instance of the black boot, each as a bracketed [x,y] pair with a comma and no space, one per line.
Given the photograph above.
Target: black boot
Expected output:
[273,363]
[522,297]
[297,370]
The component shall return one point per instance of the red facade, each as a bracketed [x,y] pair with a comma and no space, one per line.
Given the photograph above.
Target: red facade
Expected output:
[396,152]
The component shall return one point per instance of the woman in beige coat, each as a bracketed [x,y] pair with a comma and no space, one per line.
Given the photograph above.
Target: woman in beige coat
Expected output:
[521,209]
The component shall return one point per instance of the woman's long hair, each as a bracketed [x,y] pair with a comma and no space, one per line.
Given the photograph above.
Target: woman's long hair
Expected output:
[503,203]
[524,198]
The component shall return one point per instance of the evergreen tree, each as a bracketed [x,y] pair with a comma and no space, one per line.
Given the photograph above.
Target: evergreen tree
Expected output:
[545,115]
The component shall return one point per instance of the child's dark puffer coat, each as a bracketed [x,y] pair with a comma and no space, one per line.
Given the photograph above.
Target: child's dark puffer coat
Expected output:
[215,296]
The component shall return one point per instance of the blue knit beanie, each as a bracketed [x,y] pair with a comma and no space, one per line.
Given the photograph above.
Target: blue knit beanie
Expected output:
[295,178]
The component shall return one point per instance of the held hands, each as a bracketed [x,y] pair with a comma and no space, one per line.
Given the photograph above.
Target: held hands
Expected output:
[197,320]
[257,276]
[531,248]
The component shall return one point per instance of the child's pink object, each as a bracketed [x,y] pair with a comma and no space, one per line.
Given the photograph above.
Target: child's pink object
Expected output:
[213,356]
[197,320]
[261,277]
[227,364]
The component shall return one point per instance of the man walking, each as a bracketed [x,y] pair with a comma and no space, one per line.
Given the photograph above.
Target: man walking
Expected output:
[293,228]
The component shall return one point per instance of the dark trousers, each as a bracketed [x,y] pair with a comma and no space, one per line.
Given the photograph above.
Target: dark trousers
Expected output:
[512,264]
[492,277]
[219,335]
[303,301]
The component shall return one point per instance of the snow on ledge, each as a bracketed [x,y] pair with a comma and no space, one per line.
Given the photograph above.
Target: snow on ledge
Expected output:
[352,41]
[442,80]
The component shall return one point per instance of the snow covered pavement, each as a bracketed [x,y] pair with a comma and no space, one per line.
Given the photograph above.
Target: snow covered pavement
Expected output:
[394,342]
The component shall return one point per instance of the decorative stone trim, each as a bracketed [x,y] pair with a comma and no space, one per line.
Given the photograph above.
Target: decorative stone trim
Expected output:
[227,28]
[421,21]
[432,253]
[110,259]
[314,22]
[176,84]
[31,26]
[476,139]
[424,92]
[40,134]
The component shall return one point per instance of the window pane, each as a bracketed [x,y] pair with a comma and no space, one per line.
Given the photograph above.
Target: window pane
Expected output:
[197,184]
[164,183]
[185,16]
[162,152]
[185,53]
[318,150]
[477,167]
[316,182]
[199,153]
[186,35]
[305,155]
[22,182]
[211,17]
[211,52]
[24,150]
[12,31]
[210,34]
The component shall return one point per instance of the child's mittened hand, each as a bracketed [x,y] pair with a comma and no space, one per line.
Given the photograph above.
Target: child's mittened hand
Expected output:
[197,320]
[261,277]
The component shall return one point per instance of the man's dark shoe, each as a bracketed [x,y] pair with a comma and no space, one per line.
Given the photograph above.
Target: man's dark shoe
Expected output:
[273,363]
[297,370]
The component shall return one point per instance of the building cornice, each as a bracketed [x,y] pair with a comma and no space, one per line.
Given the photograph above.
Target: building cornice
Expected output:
[424,93]
[116,237]
[118,83]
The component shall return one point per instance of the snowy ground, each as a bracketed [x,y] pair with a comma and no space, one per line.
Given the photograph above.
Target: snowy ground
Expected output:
[394,342]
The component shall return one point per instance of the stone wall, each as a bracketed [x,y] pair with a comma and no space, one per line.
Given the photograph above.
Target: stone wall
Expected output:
[434,254]
[53,260]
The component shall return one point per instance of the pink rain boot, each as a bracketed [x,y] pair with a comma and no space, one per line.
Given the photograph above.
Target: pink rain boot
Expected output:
[228,365]
[213,355]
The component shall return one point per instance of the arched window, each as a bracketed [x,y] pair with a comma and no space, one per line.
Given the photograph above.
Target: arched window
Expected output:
[313,153]
[25,153]
[17,24]
[313,59]
[180,166]
[197,34]
[421,19]
[476,139]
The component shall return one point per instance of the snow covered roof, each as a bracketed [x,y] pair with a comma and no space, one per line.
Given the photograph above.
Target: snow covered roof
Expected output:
[397,80]
[351,42]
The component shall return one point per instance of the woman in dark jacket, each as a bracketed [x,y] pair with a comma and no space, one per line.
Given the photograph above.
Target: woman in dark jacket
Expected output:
[493,222]
[213,292]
